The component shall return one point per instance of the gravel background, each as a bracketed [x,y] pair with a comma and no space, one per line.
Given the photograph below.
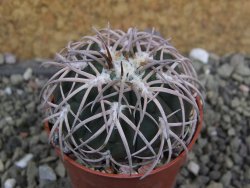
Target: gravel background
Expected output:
[220,158]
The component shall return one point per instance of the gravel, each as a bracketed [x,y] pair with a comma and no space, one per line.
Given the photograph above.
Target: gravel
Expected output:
[219,159]
[224,140]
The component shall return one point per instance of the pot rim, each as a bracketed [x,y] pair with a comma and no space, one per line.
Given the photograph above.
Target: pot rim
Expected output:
[161,168]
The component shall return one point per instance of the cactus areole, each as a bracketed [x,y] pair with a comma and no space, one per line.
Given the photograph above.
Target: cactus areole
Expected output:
[122,102]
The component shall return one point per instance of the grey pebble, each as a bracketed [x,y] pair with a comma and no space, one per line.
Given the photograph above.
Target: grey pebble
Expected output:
[226,178]
[215,175]
[211,83]
[12,143]
[1,166]
[3,156]
[229,163]
[13,171]
[30,106]
[203,180]
[202,142]
[8,131]
[215,185]
[231,132]
[184,172]
[226,118]
[43,137]
[214,59]
[237,183]
[237,77]
[235,102]
[235,144]
[46,173]
[237,159]
[236,59]
[34,140]
[248,142]
[1,144]
[16,79]
[60,170]
[189,185]
[31,174]
[204,170]
[40,151]
[243,150]
[225,70]
[247,174]
[48,159]
[4,177]
[247,81]
[243,69]
[17,153]
[246,113]
[204,159]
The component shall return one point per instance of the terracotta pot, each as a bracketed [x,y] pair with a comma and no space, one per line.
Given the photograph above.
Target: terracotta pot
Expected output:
[162,177]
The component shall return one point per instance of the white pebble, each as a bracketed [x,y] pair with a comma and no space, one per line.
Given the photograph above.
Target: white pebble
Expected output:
[8,91]
[23,162]
[193,167]
[199,54]
[10,183]
[27,74]
[10,58]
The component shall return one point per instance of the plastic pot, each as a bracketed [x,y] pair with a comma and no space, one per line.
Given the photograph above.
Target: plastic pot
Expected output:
[162,177]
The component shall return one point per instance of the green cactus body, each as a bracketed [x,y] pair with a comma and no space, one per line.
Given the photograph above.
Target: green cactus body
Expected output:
[128,95]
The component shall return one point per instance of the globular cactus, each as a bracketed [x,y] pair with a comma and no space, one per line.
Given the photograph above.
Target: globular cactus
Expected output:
[122,100]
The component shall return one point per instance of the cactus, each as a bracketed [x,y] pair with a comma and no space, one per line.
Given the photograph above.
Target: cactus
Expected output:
[122,100]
